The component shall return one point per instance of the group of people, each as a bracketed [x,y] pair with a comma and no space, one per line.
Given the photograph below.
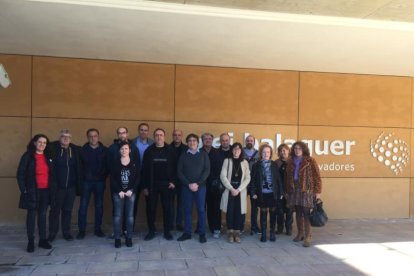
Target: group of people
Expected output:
[215,179]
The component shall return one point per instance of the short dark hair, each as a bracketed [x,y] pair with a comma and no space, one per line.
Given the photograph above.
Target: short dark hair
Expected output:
[262,147]
[191,135]
[207,134]
[143,124]
[124,144]
[117,130]
[303,145]
[90,130]
[157,129]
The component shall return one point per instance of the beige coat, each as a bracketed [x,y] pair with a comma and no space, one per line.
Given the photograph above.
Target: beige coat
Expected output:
[225,177]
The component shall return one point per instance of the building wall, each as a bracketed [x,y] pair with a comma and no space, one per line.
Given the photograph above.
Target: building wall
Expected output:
[346,119]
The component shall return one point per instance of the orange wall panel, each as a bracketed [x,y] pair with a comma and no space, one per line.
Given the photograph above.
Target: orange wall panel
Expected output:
[14,136]
[228,95]
[76,88]
[354,100]
[16,99]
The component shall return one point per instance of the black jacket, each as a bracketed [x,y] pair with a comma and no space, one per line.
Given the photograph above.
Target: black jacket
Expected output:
[95,166]
[257,180]
[114,155]
[56,149]
[134,177]
[151,155]
[26,179]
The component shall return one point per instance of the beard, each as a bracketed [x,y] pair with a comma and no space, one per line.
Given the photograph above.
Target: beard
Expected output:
[249,146]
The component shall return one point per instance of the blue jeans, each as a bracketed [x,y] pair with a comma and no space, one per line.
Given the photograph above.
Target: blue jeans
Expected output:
[121,204]
[188,197]
[97,188]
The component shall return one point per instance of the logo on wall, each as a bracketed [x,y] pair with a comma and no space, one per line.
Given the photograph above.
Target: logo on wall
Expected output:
[391,151]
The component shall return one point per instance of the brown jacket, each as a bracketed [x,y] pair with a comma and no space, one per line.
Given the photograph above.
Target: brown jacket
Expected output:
[309,177]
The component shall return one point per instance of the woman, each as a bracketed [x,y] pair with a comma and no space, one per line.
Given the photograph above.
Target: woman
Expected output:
[124,184]
[267,188]
[36,184]
[235,176]
[303,186]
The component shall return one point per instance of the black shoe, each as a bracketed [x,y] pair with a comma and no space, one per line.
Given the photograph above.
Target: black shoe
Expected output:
[68,237]
[44,244]
[179,227]
[272,237]
[117,243]
[202,238]
[184,237]
[51,237]
[128,242]
[149,236]
[168,236]
[80,235]
[289,232]
[30,246]
[99,233]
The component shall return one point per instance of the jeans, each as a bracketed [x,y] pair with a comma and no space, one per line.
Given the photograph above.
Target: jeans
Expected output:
[121,204]
[97,188]
[213,199]
[41,211]
[64,205]
[188,198]
[165,195]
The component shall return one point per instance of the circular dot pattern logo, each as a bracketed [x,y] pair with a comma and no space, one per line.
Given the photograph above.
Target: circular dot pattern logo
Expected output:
[391,151]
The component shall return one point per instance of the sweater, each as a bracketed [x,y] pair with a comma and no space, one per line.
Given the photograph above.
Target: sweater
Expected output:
[193,168]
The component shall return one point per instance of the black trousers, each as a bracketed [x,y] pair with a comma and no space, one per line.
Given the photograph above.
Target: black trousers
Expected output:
[213,198]
[284,216]
[234,217]
[166,201]
[147,209]
[62,210]
[41,211]
[253,214]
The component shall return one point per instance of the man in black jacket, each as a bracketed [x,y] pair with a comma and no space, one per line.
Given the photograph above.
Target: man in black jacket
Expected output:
[94,155]
[68,171]
[158,181]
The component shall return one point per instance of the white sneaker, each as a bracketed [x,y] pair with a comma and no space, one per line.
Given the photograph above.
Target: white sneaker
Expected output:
[216,234]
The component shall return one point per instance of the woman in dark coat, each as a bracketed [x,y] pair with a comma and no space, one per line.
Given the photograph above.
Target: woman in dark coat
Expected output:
[36,184]
[267,188]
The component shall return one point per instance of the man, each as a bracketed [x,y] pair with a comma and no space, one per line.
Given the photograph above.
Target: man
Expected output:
[68,172]
[94,155]
[177,211]
[192,170]
[114,155]
[252,156]
[213,196]
[282,210]
[158,181]
[142,142]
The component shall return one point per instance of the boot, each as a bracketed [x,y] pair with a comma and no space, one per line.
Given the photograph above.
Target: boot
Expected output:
[263,226]
[30,246]
[299,224]
[272,226]
[308,233]
[230,236]
[236,234]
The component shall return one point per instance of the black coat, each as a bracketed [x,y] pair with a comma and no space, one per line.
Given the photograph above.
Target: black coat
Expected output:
[257,179]
[26,179]
[76,151]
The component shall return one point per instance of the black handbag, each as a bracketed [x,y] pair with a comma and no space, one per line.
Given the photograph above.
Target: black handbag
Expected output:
[217,184]
[318,216]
